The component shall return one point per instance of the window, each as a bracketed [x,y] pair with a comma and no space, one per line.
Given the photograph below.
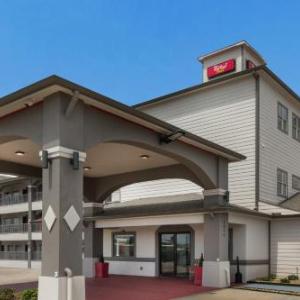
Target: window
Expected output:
[296,182]
[282,183]
[283,117]
[124,244]
[296,127]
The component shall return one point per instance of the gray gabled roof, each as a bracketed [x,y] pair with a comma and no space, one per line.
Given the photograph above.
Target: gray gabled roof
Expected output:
[201,86]
[121,110]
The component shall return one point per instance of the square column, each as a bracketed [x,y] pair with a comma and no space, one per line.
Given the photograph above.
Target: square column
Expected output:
[216,267]
[62,228]
[93,248]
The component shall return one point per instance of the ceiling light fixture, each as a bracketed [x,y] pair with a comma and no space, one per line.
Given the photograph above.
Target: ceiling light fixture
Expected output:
[8,175]
[144,156]
[20,153]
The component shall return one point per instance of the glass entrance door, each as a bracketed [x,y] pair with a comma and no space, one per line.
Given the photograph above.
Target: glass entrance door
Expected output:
[175,254]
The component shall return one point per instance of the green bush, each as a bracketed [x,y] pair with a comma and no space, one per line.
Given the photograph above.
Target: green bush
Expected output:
[7,294]
[264,279]
[273,276]
[293,277]
[284,280]
[30,294]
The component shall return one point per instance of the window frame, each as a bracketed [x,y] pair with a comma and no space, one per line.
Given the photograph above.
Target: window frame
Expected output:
[113,244]
[281,183]
[296,133]
[293,187]
[279,117]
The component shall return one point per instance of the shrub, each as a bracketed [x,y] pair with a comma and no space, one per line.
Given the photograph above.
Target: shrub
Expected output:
[293,277]
[264,279]
[273,276]
[284,280]
[30,294]
[7,294]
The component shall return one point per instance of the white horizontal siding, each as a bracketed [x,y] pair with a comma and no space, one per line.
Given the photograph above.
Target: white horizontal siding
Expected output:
[277,149]
[158,188]
[224,114]
[273,209]
[285,247]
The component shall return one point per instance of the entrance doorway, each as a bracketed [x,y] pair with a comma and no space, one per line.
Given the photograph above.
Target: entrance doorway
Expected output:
[175,254]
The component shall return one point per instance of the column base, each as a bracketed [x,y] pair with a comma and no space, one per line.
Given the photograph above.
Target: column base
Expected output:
[216,274]
[56,288]
[88,265]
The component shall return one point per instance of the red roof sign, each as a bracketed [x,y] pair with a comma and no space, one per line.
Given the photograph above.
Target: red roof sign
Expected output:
[221,68]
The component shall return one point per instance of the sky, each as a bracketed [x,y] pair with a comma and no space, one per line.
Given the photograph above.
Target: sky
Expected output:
[136,50]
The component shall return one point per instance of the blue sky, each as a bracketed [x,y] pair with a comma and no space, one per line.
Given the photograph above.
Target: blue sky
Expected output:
[135,50]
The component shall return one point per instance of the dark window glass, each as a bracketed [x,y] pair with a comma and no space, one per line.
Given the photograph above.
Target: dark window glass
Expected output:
[296,127]
[296,182]
[282,183]
[283,118]
[124,244]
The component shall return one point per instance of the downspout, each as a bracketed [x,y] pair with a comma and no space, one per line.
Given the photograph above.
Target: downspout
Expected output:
[257,139]
[69,274]
[29,226]
[269,247]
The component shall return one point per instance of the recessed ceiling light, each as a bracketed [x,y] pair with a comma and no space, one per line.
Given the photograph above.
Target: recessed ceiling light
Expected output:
[20,153]
[87,168]
[8,175]
[144,156]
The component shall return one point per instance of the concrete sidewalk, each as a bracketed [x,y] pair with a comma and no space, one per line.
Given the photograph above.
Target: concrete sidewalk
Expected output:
[10,276]
[236,294]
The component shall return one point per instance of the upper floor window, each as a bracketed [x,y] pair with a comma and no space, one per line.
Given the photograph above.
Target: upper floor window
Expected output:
[296,127]
[282,183]
[124,244]
[283,118]
[296,182]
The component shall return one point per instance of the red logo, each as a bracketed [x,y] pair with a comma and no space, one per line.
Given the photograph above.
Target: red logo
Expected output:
[250,64]
[222,68]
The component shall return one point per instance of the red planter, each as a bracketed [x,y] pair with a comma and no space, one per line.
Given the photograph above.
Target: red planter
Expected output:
[102,270]
[198,273]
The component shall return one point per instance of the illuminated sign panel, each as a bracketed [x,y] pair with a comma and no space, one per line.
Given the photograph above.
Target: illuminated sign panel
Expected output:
[221,68]
[250,64]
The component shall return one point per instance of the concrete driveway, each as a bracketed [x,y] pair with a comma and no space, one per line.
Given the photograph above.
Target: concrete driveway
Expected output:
[235,294]
[10,276]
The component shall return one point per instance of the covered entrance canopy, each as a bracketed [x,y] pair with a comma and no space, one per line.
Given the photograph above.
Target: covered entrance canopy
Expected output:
[93,145]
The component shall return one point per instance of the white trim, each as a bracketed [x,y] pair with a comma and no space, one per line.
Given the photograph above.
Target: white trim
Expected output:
[56,288]
[92,204]
[214,192]
[59,151]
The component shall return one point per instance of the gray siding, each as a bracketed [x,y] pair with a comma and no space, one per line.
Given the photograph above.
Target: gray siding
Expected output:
[224,114]
[277,149]
[285,247]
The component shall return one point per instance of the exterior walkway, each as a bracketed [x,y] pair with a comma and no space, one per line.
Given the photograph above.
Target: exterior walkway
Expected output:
[130,288]
[140,288]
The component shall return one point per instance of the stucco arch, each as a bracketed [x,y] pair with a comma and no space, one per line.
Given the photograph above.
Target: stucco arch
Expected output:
[99,189]
[108,128]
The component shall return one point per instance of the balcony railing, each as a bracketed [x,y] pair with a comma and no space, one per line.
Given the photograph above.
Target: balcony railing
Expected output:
[20,228]
[20,255]
[12,199]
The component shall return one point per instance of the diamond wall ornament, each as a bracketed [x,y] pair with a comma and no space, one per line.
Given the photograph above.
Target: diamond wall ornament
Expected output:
[72,218]
[50,218]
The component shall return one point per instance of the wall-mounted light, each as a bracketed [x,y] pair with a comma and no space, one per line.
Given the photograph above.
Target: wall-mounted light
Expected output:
[169,138]
[87,169]
[20,153]
[144,156]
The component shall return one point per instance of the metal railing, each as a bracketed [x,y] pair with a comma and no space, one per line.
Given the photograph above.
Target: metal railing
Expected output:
[20,255]
[11,199]
[20,228]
